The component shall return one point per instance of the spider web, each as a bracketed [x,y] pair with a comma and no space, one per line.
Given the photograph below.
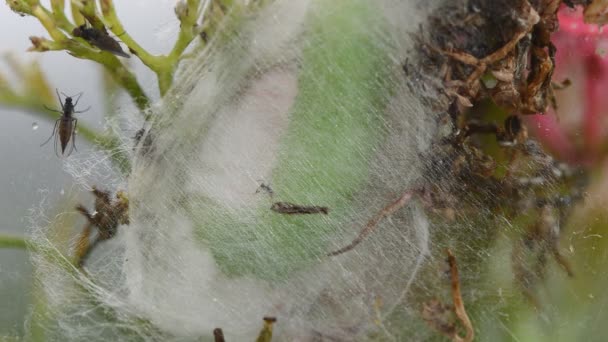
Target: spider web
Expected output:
[284,98]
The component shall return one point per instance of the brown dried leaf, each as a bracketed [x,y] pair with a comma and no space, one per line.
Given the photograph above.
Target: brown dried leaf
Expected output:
[596,12]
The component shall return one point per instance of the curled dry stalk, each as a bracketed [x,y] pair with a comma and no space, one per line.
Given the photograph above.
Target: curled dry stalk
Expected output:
[435,313]
[372,224]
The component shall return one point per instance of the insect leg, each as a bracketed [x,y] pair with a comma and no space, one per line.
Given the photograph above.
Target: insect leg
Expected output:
[54,128]
[81,111]
[53,110]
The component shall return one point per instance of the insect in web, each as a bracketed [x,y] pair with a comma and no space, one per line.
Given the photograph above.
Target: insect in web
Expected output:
[100,39]
[65,127]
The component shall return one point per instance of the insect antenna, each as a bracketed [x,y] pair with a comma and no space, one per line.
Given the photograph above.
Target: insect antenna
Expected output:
[53,110]
[59,98]
[77,97]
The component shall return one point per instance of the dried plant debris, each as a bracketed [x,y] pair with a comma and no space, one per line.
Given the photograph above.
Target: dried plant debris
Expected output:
[492,49]
[441,317]
[266,333]
[372,224]
[596,11]
[218,335]
[500,55]
[295,209]
[472,177]
[493,54]
[106,217]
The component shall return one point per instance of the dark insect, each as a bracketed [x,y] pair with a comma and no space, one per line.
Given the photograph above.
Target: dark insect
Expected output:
[65,126]
[266,188]
[100,39]
[143,142]
[204,36]
[108,215]
[293,209]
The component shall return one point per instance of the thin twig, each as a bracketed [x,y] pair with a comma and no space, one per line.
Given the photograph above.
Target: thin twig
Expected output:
[458,303]
[438,315]
[373,223]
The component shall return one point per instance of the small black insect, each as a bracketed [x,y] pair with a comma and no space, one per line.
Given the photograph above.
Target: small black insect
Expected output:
[266,188]
[293,209]
[65,126]
[100,39]
[144,142]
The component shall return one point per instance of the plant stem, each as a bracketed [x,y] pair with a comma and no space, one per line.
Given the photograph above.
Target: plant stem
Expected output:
[15,242]
[163,66]
[61,42]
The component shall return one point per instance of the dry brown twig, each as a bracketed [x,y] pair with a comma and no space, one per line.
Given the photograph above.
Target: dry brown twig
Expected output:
[436,313]
[218,335]
[108,215]
[373,223]
[522,67]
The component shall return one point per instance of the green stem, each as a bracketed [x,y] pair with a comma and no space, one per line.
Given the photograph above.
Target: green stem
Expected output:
[120,73]
[186,32]
[15,242]
[44,16]
[163,66]
[58,7]
[115,25]
[88,9]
